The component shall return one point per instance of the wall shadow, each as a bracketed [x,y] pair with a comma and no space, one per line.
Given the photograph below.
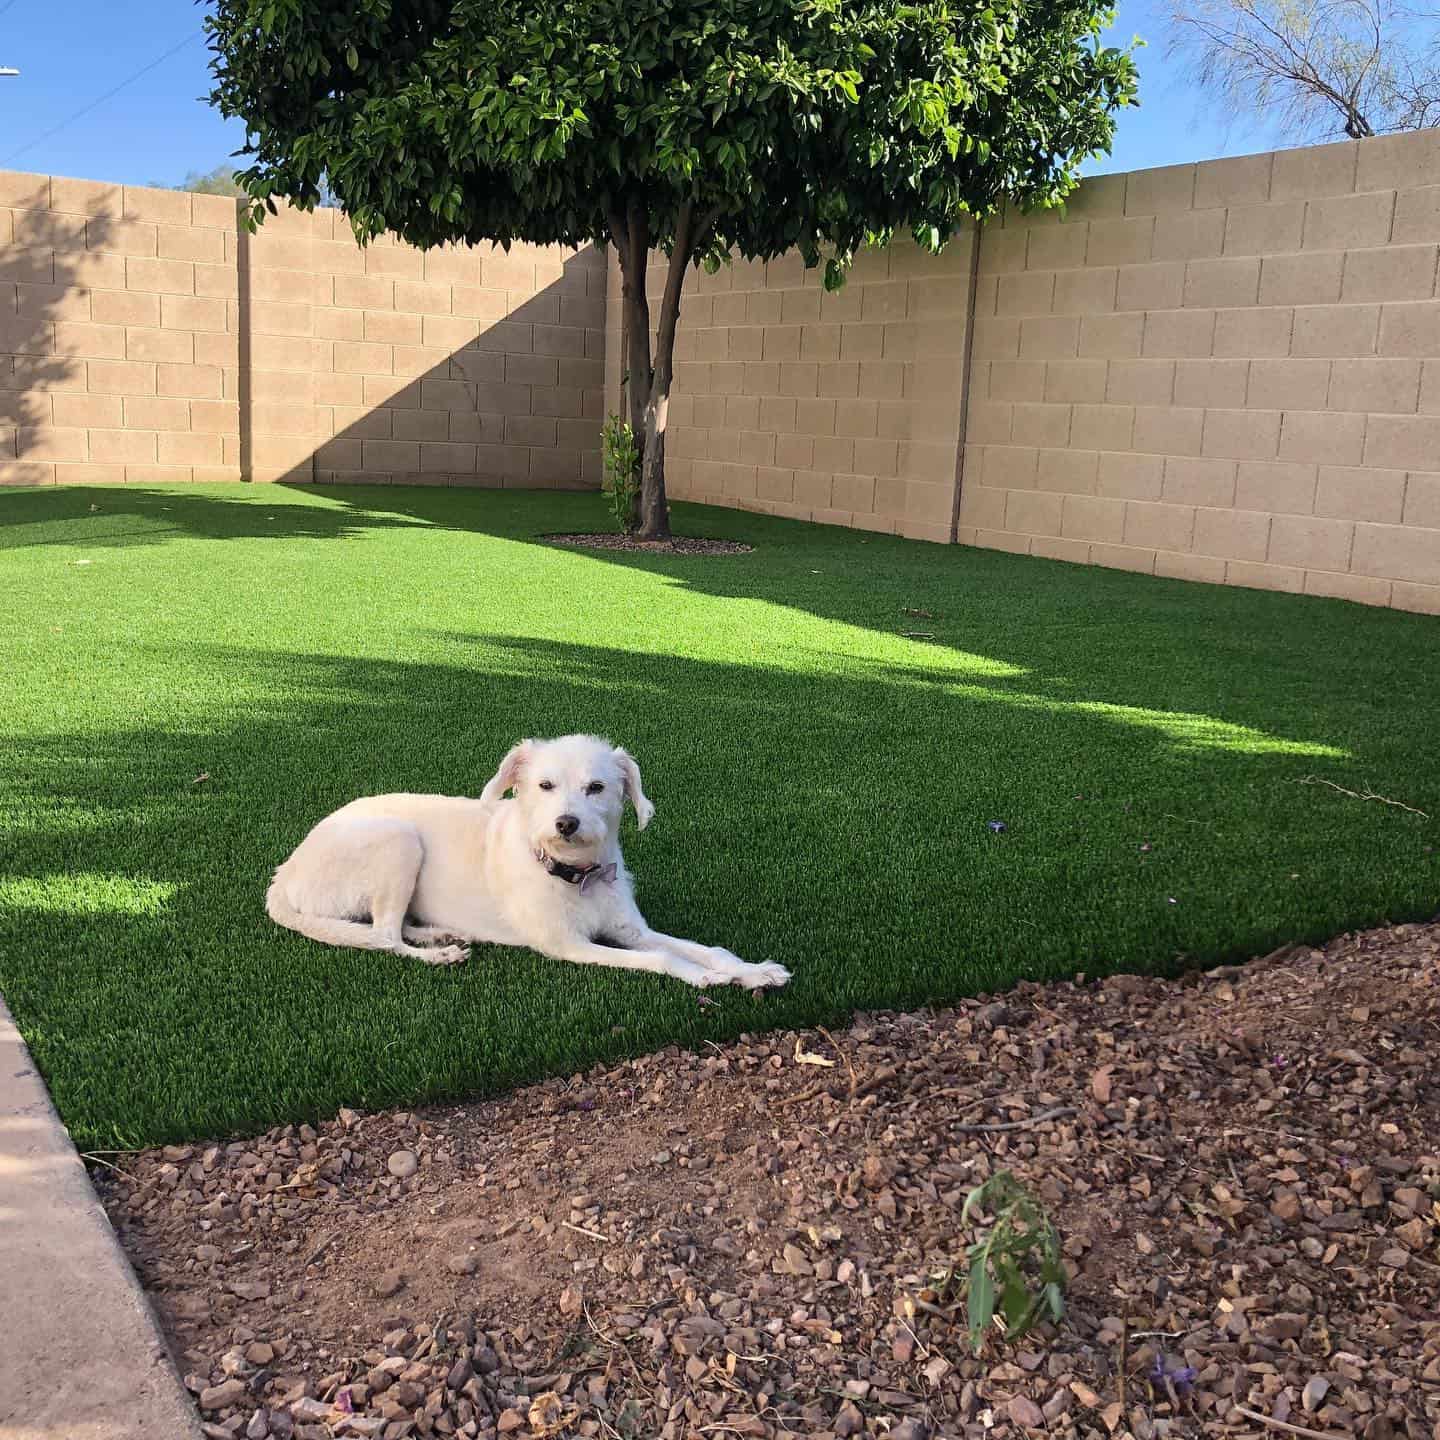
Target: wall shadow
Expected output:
[519,404]
[835,822]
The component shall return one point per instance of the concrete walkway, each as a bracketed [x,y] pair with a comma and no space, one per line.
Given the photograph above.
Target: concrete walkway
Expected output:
[81,1357]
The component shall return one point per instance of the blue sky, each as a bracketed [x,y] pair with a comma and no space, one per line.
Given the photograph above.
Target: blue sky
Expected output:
[71,52]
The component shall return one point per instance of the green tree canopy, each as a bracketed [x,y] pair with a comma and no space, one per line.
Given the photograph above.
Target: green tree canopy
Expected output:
[699,127]
[219,181]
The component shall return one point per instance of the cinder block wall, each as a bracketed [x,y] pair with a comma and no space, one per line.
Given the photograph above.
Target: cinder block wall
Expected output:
[144,337]
[842,408]
[1227,372]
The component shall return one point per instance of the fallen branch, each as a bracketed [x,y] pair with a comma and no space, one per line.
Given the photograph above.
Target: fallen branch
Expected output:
[882,1076]
[843,1055]
[91,1155]
[1040,1119]
[1286,1426]
[581,1230]
[1366,794]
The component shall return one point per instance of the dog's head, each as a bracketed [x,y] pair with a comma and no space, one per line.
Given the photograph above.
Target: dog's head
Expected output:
[571,792]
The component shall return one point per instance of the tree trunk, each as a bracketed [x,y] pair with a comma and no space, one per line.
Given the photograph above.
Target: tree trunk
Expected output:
[634,262]
[654,507]
[650,377]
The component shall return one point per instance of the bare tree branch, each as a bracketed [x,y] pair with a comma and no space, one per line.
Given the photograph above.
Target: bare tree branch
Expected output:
[1315,67]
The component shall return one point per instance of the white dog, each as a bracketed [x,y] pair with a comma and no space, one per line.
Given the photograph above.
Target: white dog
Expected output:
[413,874]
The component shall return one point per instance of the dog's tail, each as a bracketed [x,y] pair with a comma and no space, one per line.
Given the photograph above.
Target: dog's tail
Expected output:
[329,930]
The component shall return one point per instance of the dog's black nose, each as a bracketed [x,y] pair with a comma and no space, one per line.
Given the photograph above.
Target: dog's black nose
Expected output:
[567,825]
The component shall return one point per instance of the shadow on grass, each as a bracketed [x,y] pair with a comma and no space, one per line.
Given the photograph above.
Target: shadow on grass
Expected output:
[836,822]
[1079,633]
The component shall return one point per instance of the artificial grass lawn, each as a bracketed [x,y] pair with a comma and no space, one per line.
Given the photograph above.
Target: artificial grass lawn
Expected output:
[824,785]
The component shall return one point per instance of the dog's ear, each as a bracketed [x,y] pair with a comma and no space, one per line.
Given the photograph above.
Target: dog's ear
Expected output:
[508,775]
[634,790]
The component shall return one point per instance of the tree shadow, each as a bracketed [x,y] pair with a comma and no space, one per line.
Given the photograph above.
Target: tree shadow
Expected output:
[138,515]
[833,821]
[49,272]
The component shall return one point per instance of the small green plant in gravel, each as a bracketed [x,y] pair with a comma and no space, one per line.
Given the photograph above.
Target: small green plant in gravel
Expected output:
[622,472]
[1015,1269]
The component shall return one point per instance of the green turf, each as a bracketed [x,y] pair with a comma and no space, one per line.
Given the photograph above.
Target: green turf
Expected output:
[824,784]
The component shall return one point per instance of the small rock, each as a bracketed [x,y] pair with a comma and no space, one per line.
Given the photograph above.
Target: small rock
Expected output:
[259,1426]
[909,1430]
[217,1397]
[874,1172]
[1396,1259]
[259,1353]
[1026,1413]
[1285,1326]
[1056,1406]
[390,1283]
[1314,1394]
[460,1372]
[402,1164]
[849,1421]
[462,1264]
[1285,1206]
[509,1420]
[795,1261]
[572,1302]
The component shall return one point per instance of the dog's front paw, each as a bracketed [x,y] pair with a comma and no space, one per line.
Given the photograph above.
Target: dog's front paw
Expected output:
[764,976]
[448,955]
[696,975]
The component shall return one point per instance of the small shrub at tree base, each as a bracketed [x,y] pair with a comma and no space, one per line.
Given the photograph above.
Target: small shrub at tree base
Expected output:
[621,484]
[1015,1271]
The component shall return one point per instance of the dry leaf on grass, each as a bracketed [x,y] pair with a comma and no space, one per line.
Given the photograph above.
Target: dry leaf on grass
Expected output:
[808,1057]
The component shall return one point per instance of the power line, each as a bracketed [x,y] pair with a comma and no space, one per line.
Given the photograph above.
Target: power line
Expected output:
[95,104]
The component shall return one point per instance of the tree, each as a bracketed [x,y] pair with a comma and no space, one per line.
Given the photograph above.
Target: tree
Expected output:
[219,181]
[1315,67]
[696,127]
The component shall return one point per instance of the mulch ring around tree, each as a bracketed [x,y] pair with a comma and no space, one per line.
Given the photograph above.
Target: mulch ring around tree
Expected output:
[675,545]
[1243,1167]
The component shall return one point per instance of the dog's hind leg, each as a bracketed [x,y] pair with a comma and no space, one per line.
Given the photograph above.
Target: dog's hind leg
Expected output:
[429,935]
[385,856]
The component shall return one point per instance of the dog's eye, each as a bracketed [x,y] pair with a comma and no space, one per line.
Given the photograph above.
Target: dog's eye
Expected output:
[547,784]
[594,788]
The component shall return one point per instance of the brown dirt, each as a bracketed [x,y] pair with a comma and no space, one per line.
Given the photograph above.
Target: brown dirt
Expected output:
[676,545]
[1245,1173]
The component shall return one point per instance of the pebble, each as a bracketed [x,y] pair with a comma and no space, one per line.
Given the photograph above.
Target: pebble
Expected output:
[1026,1413]
[218,1397]
[782,1243]
[402,1164]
